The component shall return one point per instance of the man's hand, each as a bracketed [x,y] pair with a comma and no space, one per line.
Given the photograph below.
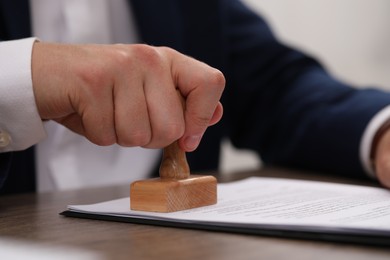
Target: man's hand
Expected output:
[126,94]
[382,159]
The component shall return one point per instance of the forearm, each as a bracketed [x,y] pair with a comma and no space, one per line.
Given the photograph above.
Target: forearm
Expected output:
[288,108]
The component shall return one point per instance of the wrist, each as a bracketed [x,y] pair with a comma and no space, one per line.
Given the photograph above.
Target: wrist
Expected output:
[379,138]
[380,154]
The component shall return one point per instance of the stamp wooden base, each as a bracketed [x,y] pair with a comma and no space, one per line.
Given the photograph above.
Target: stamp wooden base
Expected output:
[168,195]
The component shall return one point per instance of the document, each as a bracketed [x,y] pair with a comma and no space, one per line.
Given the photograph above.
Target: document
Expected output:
[272,206]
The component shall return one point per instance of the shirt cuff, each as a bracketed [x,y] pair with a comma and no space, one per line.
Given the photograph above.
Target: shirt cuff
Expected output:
[366,143]
[20,123]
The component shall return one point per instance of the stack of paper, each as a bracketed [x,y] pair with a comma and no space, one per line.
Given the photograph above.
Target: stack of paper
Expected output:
[271,206]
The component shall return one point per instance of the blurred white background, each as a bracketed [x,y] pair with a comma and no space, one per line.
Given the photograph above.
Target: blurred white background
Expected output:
[350,37]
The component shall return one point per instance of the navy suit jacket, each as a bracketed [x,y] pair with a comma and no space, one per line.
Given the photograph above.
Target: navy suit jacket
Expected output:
[278,101]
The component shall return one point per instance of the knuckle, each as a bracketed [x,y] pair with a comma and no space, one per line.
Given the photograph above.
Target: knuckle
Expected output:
[135,57]
[121,58]
[149,55]
[217,79]
[167,50]
[172,132]
[91,76]
[102,140]
[213,80]
[199,120]
[99,129]
[93,84]
[165,136]
[136,138]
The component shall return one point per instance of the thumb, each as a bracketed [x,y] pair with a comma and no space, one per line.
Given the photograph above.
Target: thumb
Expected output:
[196,126]
[202,87]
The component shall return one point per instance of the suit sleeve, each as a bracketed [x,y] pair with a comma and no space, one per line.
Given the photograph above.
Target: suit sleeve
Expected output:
[5,163]
[283,104]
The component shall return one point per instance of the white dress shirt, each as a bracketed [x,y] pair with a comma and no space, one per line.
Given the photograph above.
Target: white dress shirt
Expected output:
[67,160]
[20,124]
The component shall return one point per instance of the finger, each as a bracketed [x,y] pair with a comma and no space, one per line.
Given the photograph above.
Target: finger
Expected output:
[132,124]
[73,122]
[215,119]
[202,88]
[165,108]
[98,127]
[96,110]
[217,114]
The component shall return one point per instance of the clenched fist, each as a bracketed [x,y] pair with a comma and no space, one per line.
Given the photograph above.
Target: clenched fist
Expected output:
[127,94]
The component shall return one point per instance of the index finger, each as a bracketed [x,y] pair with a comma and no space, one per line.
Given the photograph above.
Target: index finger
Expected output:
[202,87]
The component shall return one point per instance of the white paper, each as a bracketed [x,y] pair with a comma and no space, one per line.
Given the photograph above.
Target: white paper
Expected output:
[292,204]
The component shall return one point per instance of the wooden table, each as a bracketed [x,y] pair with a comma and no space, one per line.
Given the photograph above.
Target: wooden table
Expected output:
[35,217]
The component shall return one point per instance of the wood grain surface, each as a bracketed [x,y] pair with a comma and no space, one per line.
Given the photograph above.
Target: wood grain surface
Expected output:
[35,218]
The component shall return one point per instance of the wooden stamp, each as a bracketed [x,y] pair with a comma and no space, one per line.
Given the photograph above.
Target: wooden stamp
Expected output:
[176,189]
